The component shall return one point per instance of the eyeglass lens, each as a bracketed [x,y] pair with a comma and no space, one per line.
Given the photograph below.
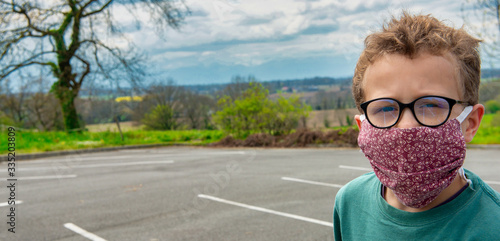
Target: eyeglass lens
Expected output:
[429,111]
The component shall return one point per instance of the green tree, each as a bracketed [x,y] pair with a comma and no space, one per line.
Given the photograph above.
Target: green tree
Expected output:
[492,106]
[286,114]
[160,118]
[243,115]
[253,112]
[75,40]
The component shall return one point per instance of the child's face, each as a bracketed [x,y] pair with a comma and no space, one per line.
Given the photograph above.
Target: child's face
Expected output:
[398,77]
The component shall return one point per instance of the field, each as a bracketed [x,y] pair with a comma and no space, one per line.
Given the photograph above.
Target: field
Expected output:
[33,142]
[125,126]
[487,133]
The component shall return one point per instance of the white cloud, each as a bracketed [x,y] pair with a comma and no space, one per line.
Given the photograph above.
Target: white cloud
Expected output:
[249,33]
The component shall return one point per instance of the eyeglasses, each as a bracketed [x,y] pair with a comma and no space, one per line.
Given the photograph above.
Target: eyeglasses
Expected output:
[428,110]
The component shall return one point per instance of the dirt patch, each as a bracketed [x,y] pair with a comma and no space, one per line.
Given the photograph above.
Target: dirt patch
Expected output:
[300,138]
[228,141]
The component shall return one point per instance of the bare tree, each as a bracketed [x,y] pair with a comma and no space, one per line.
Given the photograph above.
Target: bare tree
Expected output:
[165,94]
[74,40]
[12,103]
[488,13]
[44,112]
[196,109]
[237,86]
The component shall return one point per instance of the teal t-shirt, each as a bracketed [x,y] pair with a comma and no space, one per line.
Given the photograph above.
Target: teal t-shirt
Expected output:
[360,213]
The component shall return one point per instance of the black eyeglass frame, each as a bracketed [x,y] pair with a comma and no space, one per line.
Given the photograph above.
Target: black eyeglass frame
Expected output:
[411,105]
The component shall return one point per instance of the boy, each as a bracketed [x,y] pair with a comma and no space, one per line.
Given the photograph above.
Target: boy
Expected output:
[417,83]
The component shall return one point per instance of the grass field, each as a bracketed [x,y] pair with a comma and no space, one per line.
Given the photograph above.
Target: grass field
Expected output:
[33,142]
[487,133]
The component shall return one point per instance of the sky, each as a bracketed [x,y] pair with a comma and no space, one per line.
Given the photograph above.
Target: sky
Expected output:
[275,39]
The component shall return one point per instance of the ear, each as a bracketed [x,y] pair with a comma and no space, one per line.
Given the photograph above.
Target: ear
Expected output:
[358,121]
[473,121]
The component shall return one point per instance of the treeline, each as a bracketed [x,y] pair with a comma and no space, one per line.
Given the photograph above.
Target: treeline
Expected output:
[489,95]
[162,106]
[301,85]
[321,93]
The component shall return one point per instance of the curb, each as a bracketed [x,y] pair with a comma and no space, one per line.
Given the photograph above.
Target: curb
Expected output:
[484,147]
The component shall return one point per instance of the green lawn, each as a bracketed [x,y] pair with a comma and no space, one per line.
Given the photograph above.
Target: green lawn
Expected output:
[32,141]
[487,133]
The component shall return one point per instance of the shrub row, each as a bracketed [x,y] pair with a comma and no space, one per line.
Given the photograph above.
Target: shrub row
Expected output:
[300,138]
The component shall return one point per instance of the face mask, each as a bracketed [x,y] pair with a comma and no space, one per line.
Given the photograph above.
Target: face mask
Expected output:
[417,164]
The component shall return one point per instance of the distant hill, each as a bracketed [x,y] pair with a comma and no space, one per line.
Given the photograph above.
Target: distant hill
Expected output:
[295,85]
[490,73]
[307,84]
[274,86]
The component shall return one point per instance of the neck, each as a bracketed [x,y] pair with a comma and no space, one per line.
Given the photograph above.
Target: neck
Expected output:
[448,192]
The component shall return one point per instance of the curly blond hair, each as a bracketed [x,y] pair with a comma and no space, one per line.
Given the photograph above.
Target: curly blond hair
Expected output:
[414,34]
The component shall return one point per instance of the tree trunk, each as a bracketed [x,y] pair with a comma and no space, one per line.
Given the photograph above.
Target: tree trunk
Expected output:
[118,124]
[70,116]
[66,89]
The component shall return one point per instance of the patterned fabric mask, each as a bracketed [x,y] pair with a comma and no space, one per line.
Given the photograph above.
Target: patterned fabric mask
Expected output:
[417,164]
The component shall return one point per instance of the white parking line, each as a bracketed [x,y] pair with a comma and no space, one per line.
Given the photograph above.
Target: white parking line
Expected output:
[356,168]
[311,182]
[70,159]
[7,204]
[46,177]
[83,232]
[163,153]
[99,165]
[492,182]
[265,210]
[78,158]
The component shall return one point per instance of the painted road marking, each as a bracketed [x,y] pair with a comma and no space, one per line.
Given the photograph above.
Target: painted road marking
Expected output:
[89,158]
[7,204]
[79,158]
[99,165]
[163,153]
[195,154]
[492,182]
[311,182]
[265,210]
[70,159]
[46,177]
[83,232]
[356,168]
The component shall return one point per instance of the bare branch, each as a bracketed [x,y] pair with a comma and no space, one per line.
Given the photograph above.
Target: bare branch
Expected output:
[96,11]
[24,11]
[22,65]
[86,72]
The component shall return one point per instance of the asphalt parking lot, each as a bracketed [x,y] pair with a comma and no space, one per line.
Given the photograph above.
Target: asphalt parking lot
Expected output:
[186,193]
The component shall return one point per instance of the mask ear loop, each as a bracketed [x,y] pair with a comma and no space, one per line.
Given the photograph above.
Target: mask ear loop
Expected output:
[464,114]
[362,118]
[467,110]
[461,172]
